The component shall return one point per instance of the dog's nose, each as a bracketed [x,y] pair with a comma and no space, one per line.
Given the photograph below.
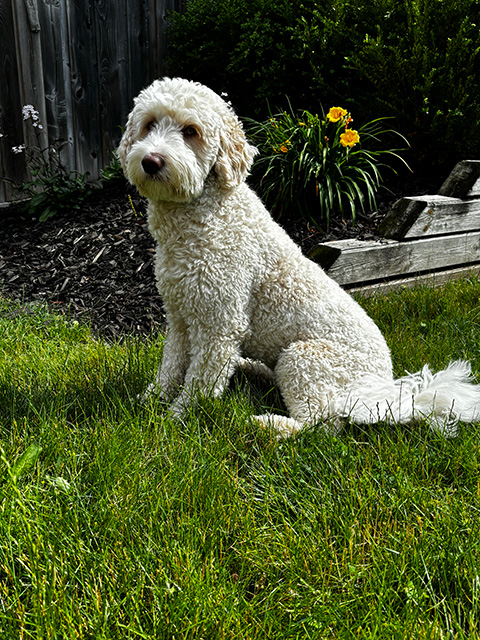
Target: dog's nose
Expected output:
[152,163]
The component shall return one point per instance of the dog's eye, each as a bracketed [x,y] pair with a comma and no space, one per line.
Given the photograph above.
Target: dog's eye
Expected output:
[150,125]
[189,132]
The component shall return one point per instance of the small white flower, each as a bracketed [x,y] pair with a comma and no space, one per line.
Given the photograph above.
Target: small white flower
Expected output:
[224,95]
[1,135]
[29,111]
[19,149]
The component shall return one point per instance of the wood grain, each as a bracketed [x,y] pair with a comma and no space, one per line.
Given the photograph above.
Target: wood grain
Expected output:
[363,261]
[80,63]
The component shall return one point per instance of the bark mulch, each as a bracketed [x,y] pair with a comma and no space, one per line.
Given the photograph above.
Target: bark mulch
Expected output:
[96,264]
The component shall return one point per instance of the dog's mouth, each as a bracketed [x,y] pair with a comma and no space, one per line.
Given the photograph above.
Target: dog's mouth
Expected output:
[155,181]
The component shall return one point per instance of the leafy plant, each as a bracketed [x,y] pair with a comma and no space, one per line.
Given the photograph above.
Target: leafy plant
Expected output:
[114,170]
[52,187]
[311,164]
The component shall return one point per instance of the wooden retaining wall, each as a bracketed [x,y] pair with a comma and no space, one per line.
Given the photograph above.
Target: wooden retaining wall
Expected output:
[425,238]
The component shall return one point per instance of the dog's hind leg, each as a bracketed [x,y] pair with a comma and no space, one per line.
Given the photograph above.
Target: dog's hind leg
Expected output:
[311,375]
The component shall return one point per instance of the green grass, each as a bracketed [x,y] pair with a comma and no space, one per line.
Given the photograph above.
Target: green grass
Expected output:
[128,524]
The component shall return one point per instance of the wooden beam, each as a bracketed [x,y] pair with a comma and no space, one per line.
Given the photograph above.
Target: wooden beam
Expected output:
[434,279]
[422,216]
[464,178]
[353,261]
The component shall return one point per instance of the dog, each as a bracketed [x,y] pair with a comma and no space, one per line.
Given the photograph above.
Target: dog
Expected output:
[238,292]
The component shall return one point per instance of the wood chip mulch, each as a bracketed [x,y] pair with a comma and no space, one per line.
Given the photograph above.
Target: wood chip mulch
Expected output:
[95,265]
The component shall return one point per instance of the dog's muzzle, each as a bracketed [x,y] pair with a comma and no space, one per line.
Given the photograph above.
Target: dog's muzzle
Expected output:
[153,163]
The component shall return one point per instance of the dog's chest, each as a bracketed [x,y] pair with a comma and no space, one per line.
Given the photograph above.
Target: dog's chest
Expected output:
[191,269]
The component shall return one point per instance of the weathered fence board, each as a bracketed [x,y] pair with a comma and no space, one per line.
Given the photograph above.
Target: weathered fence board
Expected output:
[9,99]
[79,63]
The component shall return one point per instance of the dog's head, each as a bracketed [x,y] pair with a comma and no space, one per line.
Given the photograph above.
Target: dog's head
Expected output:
[177,134]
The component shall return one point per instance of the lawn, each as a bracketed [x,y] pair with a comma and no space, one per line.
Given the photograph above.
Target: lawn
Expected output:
[117,521]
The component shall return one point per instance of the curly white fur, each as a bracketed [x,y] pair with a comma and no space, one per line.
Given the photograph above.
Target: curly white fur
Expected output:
[235,286]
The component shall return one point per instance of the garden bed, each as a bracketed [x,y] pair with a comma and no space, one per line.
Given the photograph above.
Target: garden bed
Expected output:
[97,264]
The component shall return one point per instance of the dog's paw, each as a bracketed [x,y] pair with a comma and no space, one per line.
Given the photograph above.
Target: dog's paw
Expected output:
[284,426]
[256,368]
[151,392]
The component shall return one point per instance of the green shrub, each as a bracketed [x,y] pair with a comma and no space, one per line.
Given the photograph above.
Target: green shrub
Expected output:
[313,166]
[241,47]
[415,60]
[422,63]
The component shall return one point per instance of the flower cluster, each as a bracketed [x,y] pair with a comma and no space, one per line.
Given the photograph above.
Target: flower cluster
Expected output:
[317,163]
[29,112]
[50,187]
[350,137]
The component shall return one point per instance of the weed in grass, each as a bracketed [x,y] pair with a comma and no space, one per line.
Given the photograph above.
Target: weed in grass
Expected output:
[129,524]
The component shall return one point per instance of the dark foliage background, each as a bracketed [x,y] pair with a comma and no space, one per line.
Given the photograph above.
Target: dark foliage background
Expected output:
[415,60]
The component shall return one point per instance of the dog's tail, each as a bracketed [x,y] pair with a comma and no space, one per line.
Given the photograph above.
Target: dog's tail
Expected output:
[444,398]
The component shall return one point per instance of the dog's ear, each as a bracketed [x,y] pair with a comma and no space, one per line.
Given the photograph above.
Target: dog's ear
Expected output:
[235,156]
[126,142]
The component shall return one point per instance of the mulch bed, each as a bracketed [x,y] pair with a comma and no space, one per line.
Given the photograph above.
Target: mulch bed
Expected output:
[97,264]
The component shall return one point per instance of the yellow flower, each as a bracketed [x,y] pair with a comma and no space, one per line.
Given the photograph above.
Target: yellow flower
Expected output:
[349,138]
[284,147]
[336,113]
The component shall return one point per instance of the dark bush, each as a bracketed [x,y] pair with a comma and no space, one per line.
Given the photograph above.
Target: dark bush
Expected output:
[415,60]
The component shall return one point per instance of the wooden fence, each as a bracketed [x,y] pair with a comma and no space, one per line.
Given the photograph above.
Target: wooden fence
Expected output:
[79,63]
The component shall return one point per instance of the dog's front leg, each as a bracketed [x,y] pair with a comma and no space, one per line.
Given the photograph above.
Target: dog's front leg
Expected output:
[209,371]
[175,360]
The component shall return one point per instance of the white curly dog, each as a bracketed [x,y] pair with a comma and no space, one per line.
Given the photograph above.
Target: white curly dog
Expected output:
[238,292]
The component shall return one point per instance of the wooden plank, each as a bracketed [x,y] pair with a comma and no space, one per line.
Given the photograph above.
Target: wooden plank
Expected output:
[30,68]
[111,21]
[85,89]
[56,72]
[435,279]
[364,261]
[462,180]
[422,216]
[11,166]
